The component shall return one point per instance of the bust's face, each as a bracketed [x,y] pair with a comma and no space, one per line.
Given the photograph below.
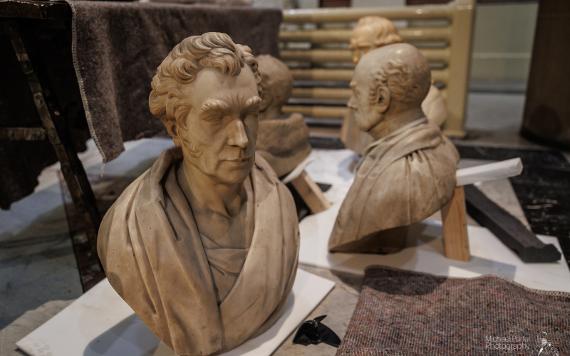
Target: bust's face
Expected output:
[221,129]
[364,111]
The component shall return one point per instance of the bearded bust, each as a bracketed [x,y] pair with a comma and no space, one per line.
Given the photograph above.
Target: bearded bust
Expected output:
[408,172]
[203,246]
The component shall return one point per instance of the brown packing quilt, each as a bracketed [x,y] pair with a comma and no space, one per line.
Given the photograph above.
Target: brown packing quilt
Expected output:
[409,313]
[118,45]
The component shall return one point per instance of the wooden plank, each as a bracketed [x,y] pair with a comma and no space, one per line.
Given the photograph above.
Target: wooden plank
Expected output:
[310,193]
[22,133]
[345,55]
[61,141]
[488,172]
[353,14]
[345,75]
[316,111]
[328,132]
[508,229]
[321,36]
[454,219]
[322,74]
[322,93]
[459,65]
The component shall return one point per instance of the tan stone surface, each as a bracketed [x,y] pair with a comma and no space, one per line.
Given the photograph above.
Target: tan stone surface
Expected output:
[203,245]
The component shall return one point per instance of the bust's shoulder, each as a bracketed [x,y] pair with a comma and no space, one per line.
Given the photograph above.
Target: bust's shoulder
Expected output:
[262,166]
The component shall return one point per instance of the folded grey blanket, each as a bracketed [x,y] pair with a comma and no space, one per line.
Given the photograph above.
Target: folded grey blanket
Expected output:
[410,313]
[118,45]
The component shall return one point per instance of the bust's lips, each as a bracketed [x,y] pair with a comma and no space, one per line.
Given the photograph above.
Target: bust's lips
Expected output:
[239,160]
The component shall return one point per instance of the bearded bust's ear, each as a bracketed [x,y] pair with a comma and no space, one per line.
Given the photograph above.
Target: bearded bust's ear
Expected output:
[382,99]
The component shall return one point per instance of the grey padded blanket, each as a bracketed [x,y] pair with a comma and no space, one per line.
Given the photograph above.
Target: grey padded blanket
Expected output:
[410,313]
[118,45]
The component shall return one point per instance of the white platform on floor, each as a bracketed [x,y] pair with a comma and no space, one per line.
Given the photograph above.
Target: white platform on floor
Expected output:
[424,251]
[425,254]
[101,323]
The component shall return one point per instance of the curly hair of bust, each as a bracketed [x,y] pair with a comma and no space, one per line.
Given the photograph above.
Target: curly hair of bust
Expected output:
[385,31]
[210,50]
[407,84]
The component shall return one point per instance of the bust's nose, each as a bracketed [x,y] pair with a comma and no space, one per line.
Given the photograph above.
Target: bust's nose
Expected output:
[352,102]
[237,135]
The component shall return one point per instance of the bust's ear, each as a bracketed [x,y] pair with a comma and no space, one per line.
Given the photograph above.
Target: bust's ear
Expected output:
[179,125]
[382,99]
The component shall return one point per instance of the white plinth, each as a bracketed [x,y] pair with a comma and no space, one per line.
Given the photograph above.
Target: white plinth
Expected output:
[101,323]
[425,254]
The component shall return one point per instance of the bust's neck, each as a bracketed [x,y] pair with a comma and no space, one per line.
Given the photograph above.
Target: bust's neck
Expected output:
[394,121]
[207,194]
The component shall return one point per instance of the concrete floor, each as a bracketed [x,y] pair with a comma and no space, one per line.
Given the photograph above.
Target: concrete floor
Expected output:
[37,264]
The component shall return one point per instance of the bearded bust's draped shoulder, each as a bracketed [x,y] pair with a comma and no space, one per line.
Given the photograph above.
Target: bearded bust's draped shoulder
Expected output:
[203,246]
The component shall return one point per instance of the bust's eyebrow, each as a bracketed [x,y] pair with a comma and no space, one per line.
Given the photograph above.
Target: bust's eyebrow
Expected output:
[213,106]
[252,103]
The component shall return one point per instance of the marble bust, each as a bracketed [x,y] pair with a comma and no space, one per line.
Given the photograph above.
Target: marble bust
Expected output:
[203,245]
[408,172]
[373,32]
[282,140]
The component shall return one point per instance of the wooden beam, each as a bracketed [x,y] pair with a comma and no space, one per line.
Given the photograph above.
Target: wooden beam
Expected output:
[345,55]
[310,193]
[353,14]
[321,36]
[321,93]
[508,229]
[345,75]
[22,133]
[316,111]
[489,172]
[454,219]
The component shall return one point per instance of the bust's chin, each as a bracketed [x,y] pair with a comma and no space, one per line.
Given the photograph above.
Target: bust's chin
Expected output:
[233,172]
[366,122]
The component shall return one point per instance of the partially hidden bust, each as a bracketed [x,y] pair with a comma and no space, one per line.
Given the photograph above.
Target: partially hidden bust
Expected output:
[408,172]
[283,141]
[373,32]
[203,245]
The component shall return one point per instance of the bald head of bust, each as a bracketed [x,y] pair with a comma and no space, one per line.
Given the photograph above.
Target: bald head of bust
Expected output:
[388,87]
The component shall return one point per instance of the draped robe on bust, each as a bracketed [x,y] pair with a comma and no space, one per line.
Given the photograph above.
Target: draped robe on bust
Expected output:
[155,258]
[402,179]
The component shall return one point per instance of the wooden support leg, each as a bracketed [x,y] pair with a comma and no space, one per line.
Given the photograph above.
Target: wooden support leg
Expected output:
[310,193]
[61,140]
[454,218]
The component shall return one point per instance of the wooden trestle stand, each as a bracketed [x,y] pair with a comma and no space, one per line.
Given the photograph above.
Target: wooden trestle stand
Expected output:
[309,191]
[454,214]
